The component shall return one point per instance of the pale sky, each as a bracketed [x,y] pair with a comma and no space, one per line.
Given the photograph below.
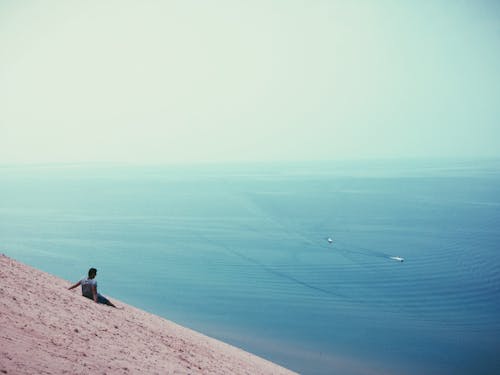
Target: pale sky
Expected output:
[188,81]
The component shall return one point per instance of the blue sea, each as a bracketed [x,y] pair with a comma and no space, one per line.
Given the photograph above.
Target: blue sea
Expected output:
[240,252]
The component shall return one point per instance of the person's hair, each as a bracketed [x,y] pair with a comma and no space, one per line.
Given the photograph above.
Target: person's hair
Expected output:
[92,272]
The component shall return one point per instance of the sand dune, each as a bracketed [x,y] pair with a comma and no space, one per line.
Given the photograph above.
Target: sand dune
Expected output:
[46,329]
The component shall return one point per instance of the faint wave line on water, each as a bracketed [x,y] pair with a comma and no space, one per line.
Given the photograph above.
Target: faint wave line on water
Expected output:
[272,270]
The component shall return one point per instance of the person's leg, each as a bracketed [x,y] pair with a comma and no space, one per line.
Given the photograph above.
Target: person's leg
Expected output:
[104,301]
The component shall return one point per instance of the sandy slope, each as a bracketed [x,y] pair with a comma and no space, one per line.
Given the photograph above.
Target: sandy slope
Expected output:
[46,329]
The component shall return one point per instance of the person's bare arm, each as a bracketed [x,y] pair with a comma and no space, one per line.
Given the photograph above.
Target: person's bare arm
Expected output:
[74,286]
[94,293]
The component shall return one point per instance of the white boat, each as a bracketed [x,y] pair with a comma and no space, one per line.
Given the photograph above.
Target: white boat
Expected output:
[399,259]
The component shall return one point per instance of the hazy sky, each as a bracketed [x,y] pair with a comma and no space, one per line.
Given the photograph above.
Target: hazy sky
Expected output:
[184,81]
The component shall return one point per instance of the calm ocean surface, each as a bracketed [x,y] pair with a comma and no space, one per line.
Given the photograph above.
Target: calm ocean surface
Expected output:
[240,252]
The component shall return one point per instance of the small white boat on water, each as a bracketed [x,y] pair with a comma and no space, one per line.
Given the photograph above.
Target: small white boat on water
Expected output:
[398,259]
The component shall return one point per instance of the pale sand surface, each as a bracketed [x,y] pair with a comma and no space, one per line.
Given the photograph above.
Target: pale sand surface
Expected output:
[47,329]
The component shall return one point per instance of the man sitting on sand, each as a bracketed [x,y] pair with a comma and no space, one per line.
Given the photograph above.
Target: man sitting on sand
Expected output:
[89,288]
